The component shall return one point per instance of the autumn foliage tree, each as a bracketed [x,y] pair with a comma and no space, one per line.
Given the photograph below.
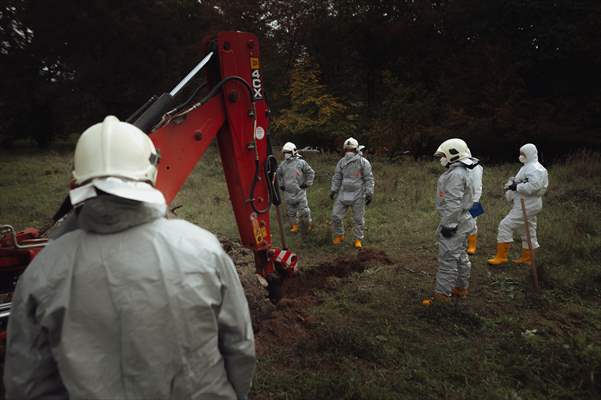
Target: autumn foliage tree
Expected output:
[313,116]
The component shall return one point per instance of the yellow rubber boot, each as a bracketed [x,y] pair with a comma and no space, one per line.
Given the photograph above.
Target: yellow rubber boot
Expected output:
[460,293]
[501,256]
[525,258]
[358,244]
[338,240]
[438,298]
[471,244]
[294,228]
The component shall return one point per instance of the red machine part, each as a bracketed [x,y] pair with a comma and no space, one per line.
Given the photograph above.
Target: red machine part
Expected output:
[16,252]
[17,249]
[237,117]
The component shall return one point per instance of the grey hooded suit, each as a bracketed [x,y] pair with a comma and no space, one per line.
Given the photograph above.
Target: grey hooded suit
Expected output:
[454,198]
[130,305]
[353,179]
[292,173]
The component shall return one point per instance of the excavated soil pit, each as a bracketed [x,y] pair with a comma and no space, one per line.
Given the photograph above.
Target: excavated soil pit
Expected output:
[320,277]
[287,322]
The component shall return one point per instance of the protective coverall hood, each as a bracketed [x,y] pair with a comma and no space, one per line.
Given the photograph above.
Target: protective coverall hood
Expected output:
[529,150]
[110,214]
[349,157]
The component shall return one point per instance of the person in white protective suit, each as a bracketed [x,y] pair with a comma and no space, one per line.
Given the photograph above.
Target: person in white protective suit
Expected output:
[352,187]
[476,174]
[530,184]
[295,175]
[454,198]
[129,305]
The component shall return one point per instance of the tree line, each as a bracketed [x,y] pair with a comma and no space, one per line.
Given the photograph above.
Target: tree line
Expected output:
[398,75]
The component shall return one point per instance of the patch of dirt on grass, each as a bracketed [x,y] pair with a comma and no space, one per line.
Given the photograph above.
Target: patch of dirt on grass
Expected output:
[286,323]
[326,275]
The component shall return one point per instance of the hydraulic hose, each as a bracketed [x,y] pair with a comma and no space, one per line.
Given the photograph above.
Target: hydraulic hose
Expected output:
[221,83]
[190,98]
[269,163]
[271,166]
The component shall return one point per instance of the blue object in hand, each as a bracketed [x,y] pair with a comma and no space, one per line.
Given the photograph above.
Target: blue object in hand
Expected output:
[476,209]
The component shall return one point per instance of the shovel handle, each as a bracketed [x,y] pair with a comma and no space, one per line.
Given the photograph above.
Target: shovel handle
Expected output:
[529,239]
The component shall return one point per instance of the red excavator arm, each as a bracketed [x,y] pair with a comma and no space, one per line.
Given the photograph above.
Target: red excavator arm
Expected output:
[235,112]
[231,107]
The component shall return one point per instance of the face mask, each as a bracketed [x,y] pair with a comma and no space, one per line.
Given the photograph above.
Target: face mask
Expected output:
[523,159]
[444,161]
[349,153]
[287,156]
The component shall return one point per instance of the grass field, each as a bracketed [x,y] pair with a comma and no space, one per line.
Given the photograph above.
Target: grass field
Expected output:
[365,335]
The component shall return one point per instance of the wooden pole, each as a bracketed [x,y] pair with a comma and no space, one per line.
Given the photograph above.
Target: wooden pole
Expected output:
[529,239]
[278,214]
[281,226]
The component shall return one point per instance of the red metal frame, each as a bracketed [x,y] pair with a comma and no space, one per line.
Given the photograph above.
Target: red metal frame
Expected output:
[182,145]
[232,117]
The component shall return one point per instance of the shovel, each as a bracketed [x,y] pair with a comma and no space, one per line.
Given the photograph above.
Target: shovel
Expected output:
[533,269]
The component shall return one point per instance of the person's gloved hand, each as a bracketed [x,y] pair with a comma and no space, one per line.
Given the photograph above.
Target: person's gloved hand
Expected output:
[513,187]
[447,232]
[332,195]
[368,198]
[303,186]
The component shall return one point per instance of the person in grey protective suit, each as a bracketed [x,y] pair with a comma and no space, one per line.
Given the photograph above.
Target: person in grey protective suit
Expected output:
[295,175]
[530,184]
[352,187]
[126,304]
[454,198]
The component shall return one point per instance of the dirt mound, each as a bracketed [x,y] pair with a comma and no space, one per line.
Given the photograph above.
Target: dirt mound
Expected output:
[287,322]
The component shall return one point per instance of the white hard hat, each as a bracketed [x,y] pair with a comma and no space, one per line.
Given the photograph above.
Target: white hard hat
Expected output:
[115,148]
[351,143]
[118,158]
[453,150]
[289,147]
